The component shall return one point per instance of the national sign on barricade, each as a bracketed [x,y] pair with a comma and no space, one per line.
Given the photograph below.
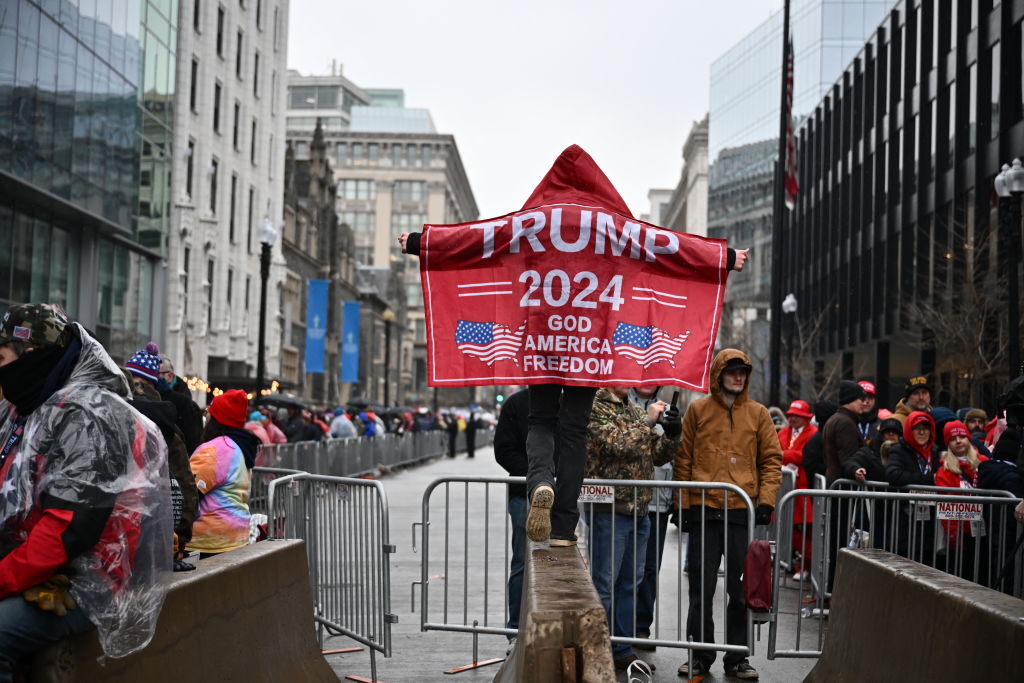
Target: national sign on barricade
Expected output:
[966,532]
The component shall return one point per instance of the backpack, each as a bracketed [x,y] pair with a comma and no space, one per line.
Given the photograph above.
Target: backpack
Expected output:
[757,577]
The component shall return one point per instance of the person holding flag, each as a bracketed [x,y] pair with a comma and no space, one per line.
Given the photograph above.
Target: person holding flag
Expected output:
[574,210]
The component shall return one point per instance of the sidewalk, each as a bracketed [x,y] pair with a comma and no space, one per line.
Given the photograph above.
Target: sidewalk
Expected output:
[419,656]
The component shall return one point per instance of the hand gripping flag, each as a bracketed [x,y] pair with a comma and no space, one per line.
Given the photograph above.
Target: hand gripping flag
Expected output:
[571,289]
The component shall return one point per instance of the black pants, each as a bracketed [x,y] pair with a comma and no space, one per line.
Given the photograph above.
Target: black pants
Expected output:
[471,442]
[562,411]
[452,436]
[703,556]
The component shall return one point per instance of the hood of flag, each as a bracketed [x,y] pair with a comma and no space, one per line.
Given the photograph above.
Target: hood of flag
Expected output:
[575,178]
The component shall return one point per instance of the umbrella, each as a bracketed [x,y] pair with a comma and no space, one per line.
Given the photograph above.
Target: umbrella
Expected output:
[283,400]
[359,402]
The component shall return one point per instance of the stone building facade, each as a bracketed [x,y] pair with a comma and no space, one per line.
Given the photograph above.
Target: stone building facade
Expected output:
[228,178]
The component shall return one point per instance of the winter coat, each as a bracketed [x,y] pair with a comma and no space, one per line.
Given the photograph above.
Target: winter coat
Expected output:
[223,480]
[842,439]
[163,415]
[189,415]
[903,411]
[257,430]
[814,457]
[661,499]
[621,445]
[967,479]
[737,445]
[274,432]
[510,438]
[342,428]
[86,454]
[793,454]
[910,464]
[1001,475]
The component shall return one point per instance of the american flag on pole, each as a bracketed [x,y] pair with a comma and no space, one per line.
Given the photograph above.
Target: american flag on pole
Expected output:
[647,345]
[489,342]
[792,186]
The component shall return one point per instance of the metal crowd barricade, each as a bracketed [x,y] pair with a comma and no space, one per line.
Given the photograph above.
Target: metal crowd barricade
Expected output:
[906,523]
[465,541]
[259,483]
[359,456]
[344,523]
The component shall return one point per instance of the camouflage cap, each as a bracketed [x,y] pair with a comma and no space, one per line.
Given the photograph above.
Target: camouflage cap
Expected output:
[35,325]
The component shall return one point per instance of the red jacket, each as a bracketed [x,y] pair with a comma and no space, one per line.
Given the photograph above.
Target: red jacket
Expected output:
[967,479]
[793,454]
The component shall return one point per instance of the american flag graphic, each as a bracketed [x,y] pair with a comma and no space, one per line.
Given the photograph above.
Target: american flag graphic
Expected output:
[489,342]
[647,345]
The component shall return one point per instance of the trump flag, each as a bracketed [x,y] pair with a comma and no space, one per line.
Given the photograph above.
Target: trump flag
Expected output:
[570,290]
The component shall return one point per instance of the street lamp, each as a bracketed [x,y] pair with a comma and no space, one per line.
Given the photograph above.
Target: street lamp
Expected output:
[789,306]
[389,317]
[268,235]
[1009,185]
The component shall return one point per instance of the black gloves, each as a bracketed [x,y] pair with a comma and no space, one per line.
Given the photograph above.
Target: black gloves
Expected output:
[670,422]
[763,514]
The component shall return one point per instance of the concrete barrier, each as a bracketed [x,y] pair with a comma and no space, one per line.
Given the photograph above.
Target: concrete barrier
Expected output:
[892,619]
[246,615]
[563,629]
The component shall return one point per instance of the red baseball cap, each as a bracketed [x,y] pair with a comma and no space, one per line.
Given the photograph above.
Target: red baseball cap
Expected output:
[230,408]
[868,387]
[800,409]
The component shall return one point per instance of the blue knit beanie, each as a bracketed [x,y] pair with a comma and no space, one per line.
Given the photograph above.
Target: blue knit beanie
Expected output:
[145,363]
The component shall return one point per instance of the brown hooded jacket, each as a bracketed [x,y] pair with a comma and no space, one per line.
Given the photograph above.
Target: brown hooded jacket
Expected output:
[738,445]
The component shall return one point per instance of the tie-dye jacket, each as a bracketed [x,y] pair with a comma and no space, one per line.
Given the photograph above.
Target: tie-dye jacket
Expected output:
[223,481]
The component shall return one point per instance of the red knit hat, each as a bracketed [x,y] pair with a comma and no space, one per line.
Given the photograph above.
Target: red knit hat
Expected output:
[230,408]
[954,428]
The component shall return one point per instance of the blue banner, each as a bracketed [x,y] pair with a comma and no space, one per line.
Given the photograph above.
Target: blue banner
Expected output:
[350,342]
[316,325]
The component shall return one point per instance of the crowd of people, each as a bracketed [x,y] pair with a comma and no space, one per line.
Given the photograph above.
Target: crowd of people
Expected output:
[295,423]
[728,437]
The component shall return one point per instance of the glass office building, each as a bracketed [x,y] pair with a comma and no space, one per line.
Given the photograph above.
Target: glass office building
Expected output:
[895,239]
[86,92]
[745,80]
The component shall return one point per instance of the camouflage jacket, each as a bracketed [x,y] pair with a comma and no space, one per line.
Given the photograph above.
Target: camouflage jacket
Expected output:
[620,445]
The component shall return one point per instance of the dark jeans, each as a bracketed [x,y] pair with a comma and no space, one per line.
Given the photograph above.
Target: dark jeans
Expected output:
[703,555]
[517,509]
[562,411]
[26,629]
[616,566]
[647,591]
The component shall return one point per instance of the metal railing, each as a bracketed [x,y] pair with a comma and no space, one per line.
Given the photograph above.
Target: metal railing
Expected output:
[344,523]
[936,526]
[465,539]
[362,456]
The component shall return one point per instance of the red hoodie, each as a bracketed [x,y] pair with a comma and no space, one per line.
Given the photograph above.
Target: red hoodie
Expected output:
[575,178]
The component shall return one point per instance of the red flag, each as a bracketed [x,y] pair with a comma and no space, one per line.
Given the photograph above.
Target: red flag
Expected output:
[792,187]
[570,290]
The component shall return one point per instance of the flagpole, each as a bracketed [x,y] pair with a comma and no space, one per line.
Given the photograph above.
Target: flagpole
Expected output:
[778,230]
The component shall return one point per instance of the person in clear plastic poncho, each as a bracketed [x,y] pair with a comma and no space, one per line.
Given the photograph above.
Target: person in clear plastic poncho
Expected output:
[85,523]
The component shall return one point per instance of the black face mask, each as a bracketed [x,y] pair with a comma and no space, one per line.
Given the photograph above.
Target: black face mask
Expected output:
[23,380]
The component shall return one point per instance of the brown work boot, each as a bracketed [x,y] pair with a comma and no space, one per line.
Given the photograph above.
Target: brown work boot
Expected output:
[538,521]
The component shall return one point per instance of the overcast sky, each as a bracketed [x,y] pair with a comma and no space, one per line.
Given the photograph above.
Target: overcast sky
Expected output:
[517,82]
